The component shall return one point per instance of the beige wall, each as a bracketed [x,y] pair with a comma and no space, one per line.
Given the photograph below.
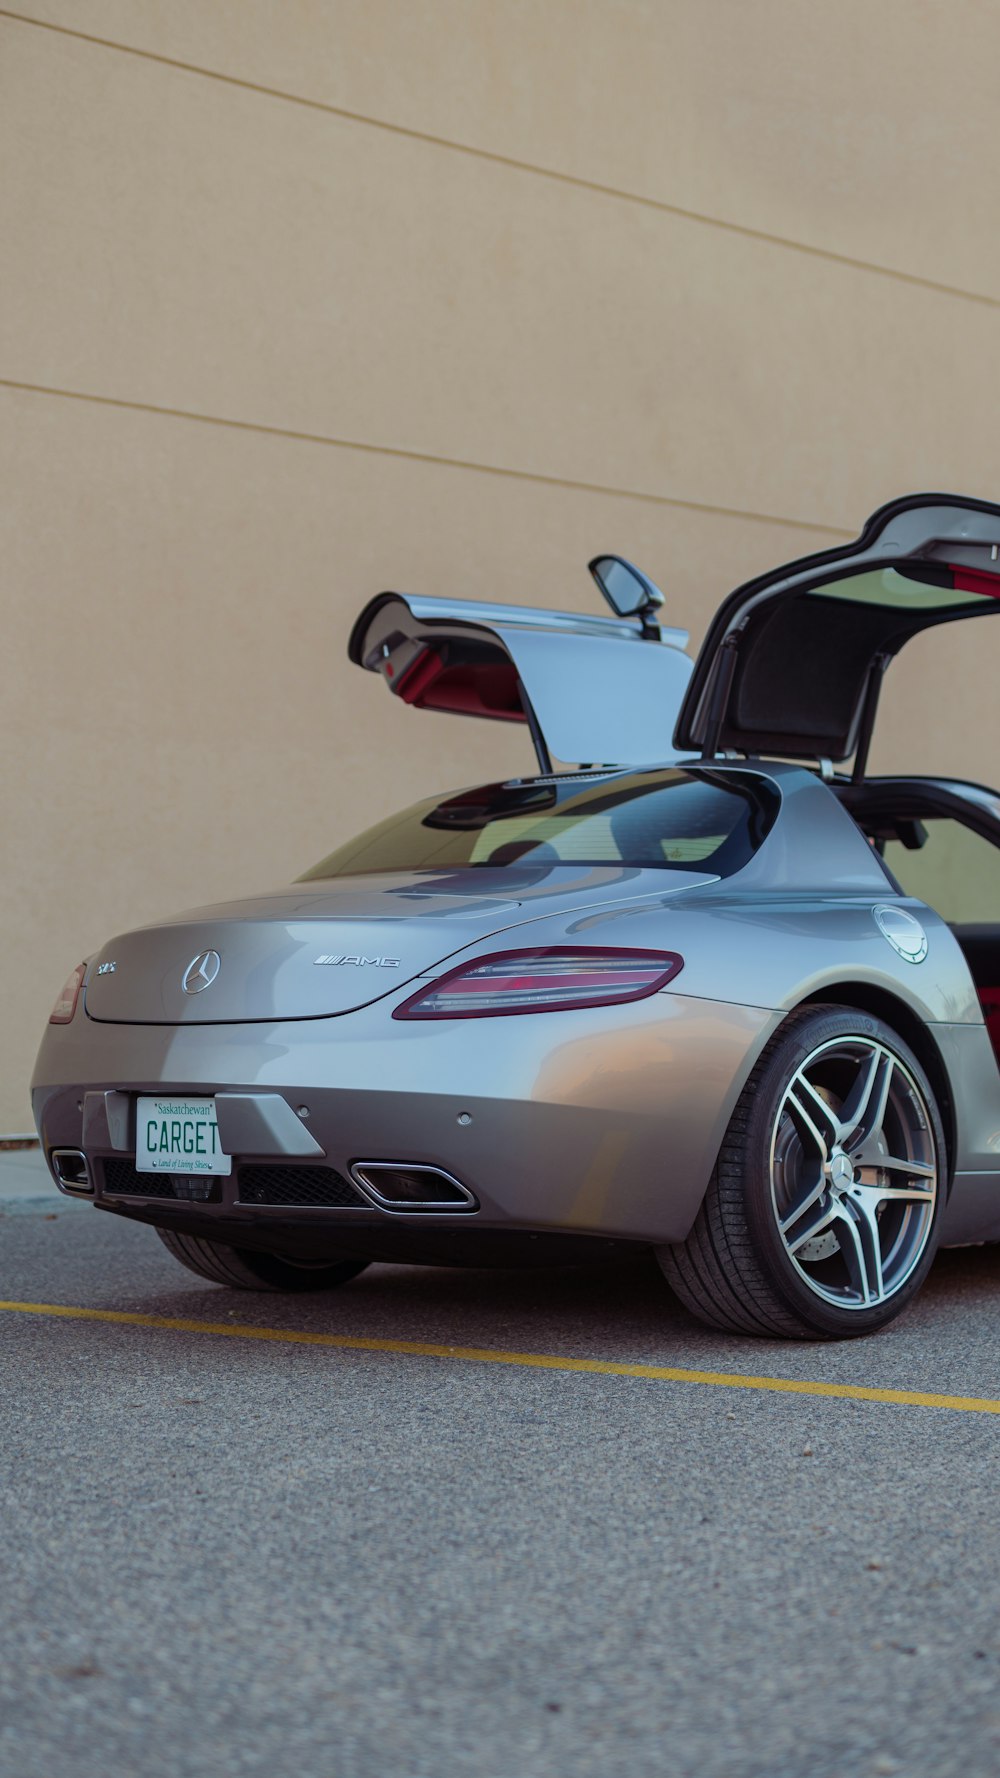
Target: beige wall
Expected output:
[304,298]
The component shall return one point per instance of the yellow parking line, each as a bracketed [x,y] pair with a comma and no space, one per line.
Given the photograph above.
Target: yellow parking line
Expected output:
[655,1373]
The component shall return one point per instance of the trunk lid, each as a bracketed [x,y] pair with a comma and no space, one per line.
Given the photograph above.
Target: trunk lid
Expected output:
[319,949]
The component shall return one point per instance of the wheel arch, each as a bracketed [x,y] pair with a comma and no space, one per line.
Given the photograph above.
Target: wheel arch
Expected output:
[881,1003]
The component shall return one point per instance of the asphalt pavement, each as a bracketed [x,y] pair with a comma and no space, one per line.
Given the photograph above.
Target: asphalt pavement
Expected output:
[227,1554]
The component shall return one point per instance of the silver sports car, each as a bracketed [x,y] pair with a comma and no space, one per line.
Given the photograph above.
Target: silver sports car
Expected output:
[716,998]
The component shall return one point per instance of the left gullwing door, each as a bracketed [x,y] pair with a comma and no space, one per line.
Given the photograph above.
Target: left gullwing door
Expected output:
[592,690]
[793,661]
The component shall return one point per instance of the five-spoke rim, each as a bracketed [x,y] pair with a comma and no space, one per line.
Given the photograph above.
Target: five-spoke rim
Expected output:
[854,1173]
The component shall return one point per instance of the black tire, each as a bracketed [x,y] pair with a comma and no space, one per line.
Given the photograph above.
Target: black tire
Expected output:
[753,1263]
[243,1269]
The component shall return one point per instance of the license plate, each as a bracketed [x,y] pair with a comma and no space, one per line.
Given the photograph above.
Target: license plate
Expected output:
[178,1136]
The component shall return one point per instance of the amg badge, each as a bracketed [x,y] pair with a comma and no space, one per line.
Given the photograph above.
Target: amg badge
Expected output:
[379,962]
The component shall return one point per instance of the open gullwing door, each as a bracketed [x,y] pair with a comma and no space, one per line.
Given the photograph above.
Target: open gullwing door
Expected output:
[793,661]
[592,690]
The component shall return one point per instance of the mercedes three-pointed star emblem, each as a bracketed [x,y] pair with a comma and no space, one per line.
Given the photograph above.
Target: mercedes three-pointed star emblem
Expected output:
[201,972]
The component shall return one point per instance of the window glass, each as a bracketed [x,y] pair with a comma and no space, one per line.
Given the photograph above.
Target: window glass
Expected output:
[957,872]
[666,820]
[887,587]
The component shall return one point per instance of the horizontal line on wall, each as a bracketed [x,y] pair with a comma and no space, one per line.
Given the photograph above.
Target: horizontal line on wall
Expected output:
[521,166]
[412,456]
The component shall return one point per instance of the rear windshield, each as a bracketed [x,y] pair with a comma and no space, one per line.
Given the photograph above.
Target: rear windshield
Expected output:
[664,820]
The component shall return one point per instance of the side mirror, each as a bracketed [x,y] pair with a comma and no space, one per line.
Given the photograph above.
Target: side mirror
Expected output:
[627,591]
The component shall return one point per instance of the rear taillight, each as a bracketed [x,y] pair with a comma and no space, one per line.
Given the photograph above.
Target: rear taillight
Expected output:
[542,981]
[65,1006]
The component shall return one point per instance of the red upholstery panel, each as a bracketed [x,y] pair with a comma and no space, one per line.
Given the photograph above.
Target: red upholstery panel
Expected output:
[969,580]
[467,688]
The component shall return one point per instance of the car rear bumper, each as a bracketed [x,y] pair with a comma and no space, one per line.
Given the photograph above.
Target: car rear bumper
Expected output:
[603,1123]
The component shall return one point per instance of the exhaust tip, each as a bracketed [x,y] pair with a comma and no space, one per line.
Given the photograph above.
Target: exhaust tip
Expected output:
[405,1187]
[71,1172]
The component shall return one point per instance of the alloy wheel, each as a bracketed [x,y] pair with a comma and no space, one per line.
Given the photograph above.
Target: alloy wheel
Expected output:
[853,1172]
